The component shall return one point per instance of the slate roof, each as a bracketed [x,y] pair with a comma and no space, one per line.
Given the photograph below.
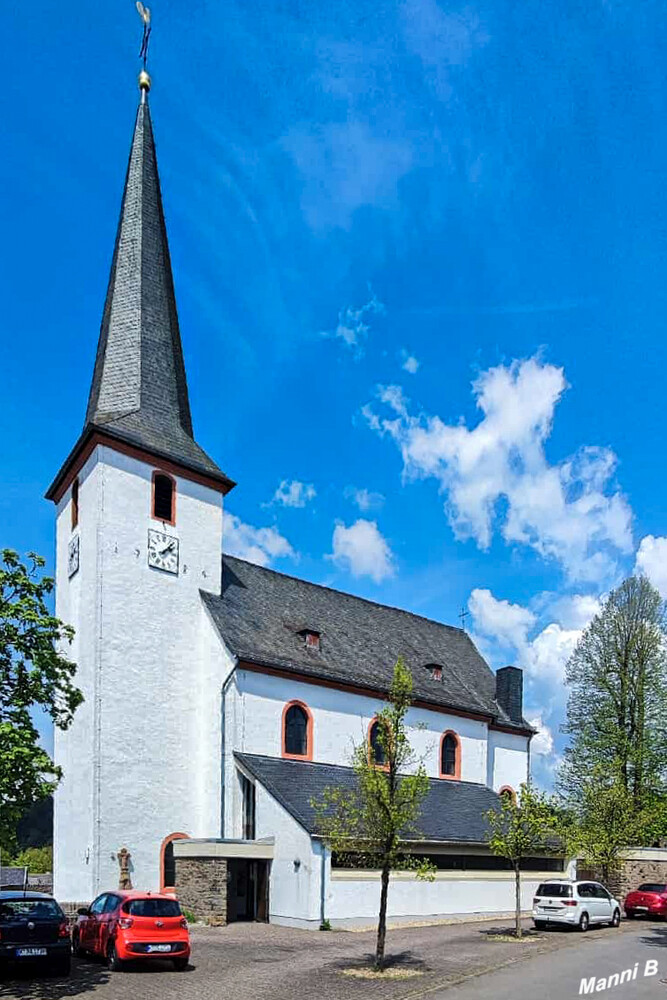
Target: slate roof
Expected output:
[12,876]
[139,392]
[260,613]
[452,812]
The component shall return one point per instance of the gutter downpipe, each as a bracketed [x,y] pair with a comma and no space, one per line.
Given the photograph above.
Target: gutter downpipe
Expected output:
[323,878]
[223,714]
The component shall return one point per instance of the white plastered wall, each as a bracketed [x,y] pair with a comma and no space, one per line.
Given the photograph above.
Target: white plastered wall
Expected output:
[508,760]
[341,720]
[142,758]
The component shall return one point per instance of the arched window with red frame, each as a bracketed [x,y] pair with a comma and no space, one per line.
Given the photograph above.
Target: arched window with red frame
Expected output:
[508,791]
[163,505]
[168,863]
[450,755]
[297,727]
[377,749]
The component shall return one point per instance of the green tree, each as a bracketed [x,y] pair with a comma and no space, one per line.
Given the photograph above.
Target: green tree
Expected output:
[617,705]
[32,673]
[37,860]
[605,822]
[376,818]
[520,828]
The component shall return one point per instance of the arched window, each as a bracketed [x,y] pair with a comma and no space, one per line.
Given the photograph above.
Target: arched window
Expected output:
[75,503]
[450,756]
[164,498]
[297,731]
[168,863]
[508,791]
[376,748]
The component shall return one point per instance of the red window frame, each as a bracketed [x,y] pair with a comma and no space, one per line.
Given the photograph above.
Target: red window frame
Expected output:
[457,760]
[309,732]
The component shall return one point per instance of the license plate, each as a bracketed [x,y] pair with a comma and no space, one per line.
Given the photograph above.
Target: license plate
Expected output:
[158,947]
[552,909]
[30,952]
[641,907]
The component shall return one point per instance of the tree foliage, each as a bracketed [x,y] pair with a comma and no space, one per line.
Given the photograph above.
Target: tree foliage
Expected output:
[605,822]
[378,816]
[32,673]
[520,828]
[617,705]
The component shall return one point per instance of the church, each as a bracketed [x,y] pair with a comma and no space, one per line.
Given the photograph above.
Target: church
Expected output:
[222,697]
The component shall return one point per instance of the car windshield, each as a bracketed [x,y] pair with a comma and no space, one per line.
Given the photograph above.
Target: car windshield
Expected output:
[152,908]
[29,909]
[653,887]
[557,890]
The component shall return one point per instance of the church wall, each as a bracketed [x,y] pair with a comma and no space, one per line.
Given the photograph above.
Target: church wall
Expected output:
[353,898]
[146,672]
[341,719]
[508,760]
[294,890]
[76,604]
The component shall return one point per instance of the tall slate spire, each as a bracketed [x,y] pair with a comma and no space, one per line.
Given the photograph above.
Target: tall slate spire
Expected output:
[139,392]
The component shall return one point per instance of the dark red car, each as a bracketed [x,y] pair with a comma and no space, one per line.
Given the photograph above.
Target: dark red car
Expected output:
[649,899]
[123,926]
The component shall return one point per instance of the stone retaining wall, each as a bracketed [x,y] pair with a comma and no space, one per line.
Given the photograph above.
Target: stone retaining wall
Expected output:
[201,886]
[637,868]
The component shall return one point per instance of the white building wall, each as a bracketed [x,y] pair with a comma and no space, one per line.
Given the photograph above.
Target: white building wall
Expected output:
[341,720]
[142,757]
[353,898]
[508,760]
[294,889]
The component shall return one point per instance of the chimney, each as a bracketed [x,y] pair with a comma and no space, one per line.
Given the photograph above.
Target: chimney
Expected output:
[509,692]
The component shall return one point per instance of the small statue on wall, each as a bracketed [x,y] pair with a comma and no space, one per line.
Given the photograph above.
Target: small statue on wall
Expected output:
[124,880]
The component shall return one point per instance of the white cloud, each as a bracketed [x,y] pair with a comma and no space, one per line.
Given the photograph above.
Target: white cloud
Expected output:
[577,611]
[410,363]
[543,655]
[569,511]
[364,499]
[507,623]
[293,493]
[353,327]
[652,561]
[543,742]
[257,545]
[362,550]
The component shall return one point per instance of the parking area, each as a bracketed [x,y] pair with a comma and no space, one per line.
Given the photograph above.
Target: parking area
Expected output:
[266,962]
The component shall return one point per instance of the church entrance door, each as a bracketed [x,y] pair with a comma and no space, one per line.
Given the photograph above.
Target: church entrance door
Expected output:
[247,890]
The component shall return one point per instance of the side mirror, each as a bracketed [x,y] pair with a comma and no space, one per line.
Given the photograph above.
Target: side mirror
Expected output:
[83,911]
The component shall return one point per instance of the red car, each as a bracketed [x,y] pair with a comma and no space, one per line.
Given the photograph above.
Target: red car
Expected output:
[120,926]
[649,899]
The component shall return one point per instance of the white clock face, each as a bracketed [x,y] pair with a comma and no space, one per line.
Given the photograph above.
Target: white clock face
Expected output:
[73,556]
[162,551]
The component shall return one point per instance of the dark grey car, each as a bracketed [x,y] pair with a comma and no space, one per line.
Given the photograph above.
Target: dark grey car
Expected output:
[33,928]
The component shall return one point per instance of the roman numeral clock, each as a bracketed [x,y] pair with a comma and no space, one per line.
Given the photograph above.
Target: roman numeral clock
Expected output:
[162,551]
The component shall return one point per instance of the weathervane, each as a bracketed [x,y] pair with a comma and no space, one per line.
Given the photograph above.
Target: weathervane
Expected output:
[145,15]
[463,614]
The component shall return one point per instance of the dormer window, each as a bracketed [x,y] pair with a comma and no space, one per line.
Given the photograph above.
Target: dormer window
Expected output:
[311,638]
[164,498]
[436,671]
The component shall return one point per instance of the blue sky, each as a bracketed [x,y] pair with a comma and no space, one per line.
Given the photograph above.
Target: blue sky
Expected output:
[420,254]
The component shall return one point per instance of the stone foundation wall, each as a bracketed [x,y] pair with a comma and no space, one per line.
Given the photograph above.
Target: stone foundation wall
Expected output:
[201,886]
[633,873]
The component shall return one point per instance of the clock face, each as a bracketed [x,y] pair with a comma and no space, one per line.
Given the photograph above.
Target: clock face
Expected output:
[162,551]
[73,556]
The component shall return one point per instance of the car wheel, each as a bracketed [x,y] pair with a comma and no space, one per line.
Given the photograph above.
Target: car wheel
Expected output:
[616,919]
[62,967]
[180,964]
[583,923]
[630,914]
[76,947]
[113,961]
[540,925]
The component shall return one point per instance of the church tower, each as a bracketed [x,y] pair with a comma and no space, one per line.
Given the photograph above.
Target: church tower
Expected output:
[138,537]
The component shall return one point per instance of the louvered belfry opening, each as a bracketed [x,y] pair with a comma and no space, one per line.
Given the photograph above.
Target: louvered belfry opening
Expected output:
[163,497]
